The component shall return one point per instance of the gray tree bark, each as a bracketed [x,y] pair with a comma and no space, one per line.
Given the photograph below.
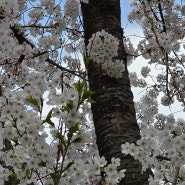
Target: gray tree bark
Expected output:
[113,113]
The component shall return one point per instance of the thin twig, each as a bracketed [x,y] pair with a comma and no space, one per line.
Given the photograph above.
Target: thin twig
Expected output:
[63,68]
[176,175]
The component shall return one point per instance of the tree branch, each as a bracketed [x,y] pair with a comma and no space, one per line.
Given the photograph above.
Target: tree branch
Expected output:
[21,39]
[176,175]
[20,36]
[161,158]
[63,68]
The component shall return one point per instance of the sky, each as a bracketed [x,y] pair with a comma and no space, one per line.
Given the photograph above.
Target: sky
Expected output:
[125,9]
[130,29]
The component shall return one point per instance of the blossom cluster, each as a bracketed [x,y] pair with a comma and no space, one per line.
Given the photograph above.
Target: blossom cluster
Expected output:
[161,145]
[162,41]
[105,173]
[45,123]
[46,132]
[72,10]
[103,48]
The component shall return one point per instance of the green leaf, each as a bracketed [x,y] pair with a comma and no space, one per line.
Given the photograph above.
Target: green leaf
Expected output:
[68,107]
[42,163]
[48,119]
[69,165]
[72,130]
[15,179]
[55,177]
[33,101]
[49,114]
[51,123]
[79,86]
[90,100]
[27,172]
[13,176]
[61,147]
[86,59]
[60,137]
[78,140]
[103,183]
[87,94]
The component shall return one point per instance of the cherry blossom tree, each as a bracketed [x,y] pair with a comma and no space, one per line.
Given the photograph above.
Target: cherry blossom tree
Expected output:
[66,107]
[113,114]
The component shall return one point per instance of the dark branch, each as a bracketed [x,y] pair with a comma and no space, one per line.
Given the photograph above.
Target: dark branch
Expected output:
[162,158]
[161,14]
[63,68]
[21,39]
[20,36]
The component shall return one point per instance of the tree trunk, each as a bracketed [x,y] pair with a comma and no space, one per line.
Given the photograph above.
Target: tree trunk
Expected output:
[113,113]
